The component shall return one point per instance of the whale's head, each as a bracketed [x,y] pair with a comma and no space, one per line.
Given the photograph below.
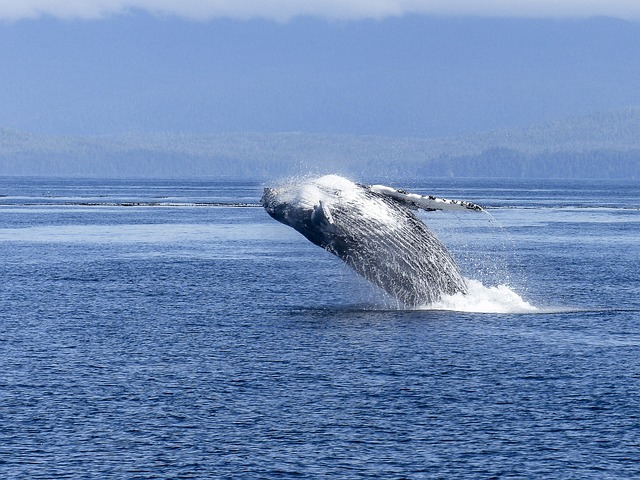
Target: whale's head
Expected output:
[309,206]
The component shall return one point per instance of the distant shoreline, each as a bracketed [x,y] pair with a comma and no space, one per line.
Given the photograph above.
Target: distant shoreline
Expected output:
[605,145]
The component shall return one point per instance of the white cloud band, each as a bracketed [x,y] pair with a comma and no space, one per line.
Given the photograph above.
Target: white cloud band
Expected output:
[282,10]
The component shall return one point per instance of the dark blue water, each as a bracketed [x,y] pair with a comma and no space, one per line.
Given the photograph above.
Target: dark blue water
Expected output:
[153,329]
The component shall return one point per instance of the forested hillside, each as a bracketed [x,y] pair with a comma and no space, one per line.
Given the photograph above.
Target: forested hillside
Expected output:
[605,145]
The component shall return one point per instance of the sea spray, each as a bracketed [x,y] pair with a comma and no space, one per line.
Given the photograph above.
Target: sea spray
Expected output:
[484,299]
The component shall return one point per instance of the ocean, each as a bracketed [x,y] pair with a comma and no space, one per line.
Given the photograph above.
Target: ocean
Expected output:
[171,329]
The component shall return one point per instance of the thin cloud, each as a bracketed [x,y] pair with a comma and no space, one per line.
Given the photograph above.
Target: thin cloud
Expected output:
[283,10]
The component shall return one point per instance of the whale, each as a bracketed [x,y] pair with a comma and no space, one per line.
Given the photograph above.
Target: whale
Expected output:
[374,229]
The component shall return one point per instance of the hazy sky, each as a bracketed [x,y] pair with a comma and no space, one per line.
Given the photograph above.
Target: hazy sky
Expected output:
[415,68]
[283,10]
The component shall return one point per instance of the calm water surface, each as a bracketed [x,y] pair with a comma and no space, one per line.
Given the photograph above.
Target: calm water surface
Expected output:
[155,329]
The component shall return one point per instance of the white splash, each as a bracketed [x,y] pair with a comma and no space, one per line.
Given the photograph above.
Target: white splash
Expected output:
[482,299]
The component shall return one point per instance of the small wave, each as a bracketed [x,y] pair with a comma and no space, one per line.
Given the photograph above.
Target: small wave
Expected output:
[482,299]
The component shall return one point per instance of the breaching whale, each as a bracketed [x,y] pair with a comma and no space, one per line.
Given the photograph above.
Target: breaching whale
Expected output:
[373,229]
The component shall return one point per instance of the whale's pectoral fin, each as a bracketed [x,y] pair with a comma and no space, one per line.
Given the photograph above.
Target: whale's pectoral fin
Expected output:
[428,203]
[321,216]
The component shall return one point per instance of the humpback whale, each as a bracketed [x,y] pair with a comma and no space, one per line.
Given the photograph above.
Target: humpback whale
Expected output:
[374,230]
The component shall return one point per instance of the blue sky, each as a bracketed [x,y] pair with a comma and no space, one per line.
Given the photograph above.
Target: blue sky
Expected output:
[398,68]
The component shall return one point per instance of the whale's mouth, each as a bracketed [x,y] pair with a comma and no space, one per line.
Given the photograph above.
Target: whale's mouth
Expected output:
[271,203]
[267,195]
